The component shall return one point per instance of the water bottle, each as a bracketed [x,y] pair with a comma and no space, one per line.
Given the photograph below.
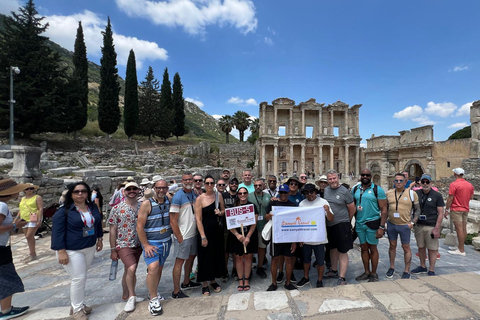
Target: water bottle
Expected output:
[113,270]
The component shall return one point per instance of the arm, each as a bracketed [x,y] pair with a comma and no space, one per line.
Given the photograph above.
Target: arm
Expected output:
[383,205]
[113,242]
[18,224]
[221,204]
[438,224]
[251,230]
[143,213]
[39,202]
[59,230]
[351,210]
[328,212]
[449,203]
[198,217]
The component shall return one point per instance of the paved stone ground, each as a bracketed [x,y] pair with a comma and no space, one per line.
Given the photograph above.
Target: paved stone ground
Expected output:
[453,294]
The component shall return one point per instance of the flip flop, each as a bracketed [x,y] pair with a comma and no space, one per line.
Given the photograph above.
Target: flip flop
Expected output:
[240,288]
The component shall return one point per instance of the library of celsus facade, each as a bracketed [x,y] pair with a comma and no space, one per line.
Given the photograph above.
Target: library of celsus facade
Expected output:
[308,137]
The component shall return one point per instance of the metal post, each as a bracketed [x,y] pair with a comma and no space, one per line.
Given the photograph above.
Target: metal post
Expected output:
[11,106]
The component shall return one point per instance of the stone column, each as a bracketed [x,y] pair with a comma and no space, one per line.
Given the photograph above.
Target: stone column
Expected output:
[357,160]
[263,119]
[320,128]
[302,159]
[346,160]
[275,128]
[291,161]
[346,123]
[320,160]
[26,164]
[303,123]
[290,121]
[275,159]
[331,157]
[331,121]
[264,160]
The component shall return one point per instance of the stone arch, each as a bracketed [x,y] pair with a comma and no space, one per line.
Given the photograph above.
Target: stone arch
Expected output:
[418,168]
[376,172]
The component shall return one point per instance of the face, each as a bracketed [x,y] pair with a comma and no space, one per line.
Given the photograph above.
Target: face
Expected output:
[323,185]
[426,185]
[209,184]
[333,180]
[242,195]
[160,188]
[131,192]
[221,185]
[259,186]
[187,181]
[226,175]
[29,191]
[293,186]
[311,195]
[233,186]
[79,194]
[283,196]
[303,178]
[399,182]
[405,173]
[247,176]
[366,176]
[197,181]
[272,183]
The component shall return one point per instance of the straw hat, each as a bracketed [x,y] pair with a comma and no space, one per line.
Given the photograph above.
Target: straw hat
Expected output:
[145,181]
[9,187]
[31,185]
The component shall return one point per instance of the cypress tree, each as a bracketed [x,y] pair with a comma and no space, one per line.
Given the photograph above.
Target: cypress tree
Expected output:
[148,105]
[130,111]
[108,109]
[179,107]
[166,127]
[79,80]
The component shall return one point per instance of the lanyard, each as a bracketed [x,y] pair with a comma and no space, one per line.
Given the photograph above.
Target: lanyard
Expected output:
[84,220]
[190,200]
[396,199]
[424,199]
[259,203]
[272,193]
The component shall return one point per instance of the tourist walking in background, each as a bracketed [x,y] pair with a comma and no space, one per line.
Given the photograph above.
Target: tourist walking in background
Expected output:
[460,193]
[10,282]
[31,210]
[76,234]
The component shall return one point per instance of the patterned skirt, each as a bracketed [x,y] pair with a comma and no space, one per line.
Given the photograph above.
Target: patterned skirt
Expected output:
[10,282]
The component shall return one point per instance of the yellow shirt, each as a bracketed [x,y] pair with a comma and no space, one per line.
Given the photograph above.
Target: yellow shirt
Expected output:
[400,206]
[28,206]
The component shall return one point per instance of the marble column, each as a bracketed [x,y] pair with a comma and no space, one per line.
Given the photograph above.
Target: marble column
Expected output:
[264,160]
[275,159]
[275,122]
[263,119]
[320,128]
[346,123]
[303,123]
[331,122]
[290,121]
[357,160]
[346,160]
[290,170]
[331,157]
[319,171]
[302,160]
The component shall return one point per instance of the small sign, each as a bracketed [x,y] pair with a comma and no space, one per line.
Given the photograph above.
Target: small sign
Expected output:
[238,216]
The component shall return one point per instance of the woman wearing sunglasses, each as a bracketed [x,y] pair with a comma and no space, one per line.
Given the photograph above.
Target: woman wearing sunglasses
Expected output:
[211,254]
[31,210]
[76,234]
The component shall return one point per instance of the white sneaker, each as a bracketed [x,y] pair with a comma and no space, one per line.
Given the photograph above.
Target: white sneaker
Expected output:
[155,307]
[139,299]
[457,252]
[452,248]
[130,305]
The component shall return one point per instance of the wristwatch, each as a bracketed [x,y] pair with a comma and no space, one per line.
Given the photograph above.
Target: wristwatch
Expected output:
[382,227]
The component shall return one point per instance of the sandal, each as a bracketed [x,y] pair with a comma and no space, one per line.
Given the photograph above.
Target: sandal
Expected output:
[205,291]
[240,288]
[246,287]
[216,287]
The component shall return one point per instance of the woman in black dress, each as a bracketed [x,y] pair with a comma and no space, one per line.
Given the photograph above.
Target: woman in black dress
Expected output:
[237,243]
[211,253]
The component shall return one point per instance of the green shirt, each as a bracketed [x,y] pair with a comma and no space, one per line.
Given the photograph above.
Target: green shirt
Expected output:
[261,202]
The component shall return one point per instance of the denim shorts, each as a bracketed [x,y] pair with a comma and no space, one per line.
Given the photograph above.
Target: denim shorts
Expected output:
[394,230]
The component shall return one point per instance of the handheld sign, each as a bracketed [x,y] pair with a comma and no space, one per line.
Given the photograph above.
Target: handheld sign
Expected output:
[240,216]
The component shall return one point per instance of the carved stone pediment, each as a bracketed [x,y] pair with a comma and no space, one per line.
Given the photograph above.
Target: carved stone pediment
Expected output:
[283,102]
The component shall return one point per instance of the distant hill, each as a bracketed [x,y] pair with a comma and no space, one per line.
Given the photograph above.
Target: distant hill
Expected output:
[199,123]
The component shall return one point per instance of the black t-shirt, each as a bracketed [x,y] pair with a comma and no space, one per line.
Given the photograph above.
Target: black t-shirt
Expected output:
[428,205]
[277,203]
[229,199]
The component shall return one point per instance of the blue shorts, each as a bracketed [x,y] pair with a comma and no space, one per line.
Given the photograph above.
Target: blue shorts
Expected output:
[162,252]
[365,234]
[318,250]
[394,230]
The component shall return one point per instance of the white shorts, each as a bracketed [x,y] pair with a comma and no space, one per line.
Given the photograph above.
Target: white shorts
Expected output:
[30,225]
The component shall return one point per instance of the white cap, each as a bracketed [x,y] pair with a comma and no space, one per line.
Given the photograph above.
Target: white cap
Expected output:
[131,184]
[156,178]
[458,171]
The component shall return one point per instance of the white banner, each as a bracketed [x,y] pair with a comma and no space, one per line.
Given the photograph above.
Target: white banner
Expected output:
[302,224]
[240,215]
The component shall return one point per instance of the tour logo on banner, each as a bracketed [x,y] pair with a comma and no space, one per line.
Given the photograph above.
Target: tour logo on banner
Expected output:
[240,215]
[303,224]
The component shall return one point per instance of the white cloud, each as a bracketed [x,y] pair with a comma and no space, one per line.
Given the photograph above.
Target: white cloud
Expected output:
[457,125]
[217,116]
[10,5]
[409,113]
[424,121]
[459,68]
[271,31]
[239,101]
[197,102]
[464,110]
[194,15]
[63,30]
[236,134]
[443,110]
[268,41]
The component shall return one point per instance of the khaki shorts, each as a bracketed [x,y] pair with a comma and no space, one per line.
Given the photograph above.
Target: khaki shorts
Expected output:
[260,241]
[424,238]
[459,216]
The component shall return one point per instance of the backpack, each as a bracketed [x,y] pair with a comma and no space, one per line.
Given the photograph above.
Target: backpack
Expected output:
[375,191]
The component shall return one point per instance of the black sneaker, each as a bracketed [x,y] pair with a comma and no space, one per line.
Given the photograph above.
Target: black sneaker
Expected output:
[190,285]
[272,287]
[390,273]
[406,275]
[290,286]
[303,282]
[261,272]
[292,278]
[179,295]
[14,312]
[319,284]
[331,274]
[280,277]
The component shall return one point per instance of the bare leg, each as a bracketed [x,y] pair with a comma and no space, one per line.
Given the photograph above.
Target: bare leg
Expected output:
[30,236]
[343,259]
[176,274]
[392,253]
[422,255]
[239,266]
[6,303]
[320,271]
[334,259]
[365,257]
[153,278]
[187,269]
[125,293]
[273,269]
[432,256]
[289,268]
[281,261]
[131,279]
[408,256]
[374,257]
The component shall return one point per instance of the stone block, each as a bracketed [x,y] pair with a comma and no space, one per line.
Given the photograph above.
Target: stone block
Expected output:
[122,173]
[62,170]
[476,243]
[330,305]
[238,302]
[6,154]
[49,164]
[26,163]
[148,169]
[451,239]
[91,173]
[275,300]
[468,281]
[393,302]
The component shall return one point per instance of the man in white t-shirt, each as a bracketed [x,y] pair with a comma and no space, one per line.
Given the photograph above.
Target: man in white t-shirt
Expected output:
[318,248]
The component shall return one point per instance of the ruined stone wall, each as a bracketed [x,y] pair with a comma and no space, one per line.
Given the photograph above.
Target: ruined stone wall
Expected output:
[383,142]
[236,157]
[451,152]
[415,135]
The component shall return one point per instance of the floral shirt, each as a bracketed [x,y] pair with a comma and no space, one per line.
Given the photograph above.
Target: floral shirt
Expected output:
[125,218]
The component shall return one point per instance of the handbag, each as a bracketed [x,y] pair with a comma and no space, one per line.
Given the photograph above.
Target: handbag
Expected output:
[373,224]
[5,255]
[33,217]
[267,232]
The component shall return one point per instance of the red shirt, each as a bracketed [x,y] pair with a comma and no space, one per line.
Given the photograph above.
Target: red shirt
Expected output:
[462,192]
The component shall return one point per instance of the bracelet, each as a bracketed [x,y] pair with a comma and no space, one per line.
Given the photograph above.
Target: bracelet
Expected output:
[113,249]
[382,227]
[99,239]
[204,238]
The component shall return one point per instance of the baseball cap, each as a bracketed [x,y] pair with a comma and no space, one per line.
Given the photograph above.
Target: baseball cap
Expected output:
[283,188]
[233,180]
[458,171]
[131,184]
[226,170]
[426,176]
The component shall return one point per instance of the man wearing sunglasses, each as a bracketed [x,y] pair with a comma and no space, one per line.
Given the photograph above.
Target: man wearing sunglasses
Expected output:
[198,184]
[401,202]
[221,185]
[427,228]
[124,242]
[371,216]
[272,186]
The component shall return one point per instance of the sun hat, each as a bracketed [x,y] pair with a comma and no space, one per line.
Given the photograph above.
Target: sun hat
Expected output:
[9,187]
[323,178]
[156,178]
[131,184]
[296,179]
[145,181]
[31,185]
[130,179]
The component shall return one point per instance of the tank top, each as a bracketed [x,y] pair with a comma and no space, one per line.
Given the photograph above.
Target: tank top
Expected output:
[157,227]
[28,206]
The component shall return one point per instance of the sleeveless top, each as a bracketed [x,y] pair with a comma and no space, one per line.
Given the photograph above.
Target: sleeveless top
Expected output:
[28,206]
[157,227]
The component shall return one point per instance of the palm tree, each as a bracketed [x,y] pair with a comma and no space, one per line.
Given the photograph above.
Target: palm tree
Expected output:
[226,125]
[242,122]
[255,130]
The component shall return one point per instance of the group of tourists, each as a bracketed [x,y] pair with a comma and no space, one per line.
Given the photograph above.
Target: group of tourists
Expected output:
[192,219]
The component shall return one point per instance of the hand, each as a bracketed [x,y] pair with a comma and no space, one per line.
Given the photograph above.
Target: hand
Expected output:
[410,225]
[180,239]
[114,255]
[274,199]
[204,242]
[293,247]
[436,233]
[20,223]
[99,246]
[240,237]
[150,250]
[246,241]
[301,244]
[217,212]
[380,233]
[326,208]
[62,257]
[445,214]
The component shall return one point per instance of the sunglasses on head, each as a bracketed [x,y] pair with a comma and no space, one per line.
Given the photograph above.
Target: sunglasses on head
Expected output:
[79,191]
[29,189]
[365,175]
[131,189]
[425,182]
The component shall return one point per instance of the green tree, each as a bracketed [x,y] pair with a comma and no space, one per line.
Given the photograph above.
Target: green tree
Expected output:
[130,111]
[80,80]
[255,131]
[179,106]
[241,121]
[462,133]
[148,105]
[108,109]
[38,86]
[226,125]
[165,129]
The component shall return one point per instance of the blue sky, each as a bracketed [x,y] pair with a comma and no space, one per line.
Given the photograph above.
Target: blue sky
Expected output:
[409,63]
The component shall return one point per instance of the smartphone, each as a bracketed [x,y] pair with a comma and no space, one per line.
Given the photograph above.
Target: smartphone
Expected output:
[431,235]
